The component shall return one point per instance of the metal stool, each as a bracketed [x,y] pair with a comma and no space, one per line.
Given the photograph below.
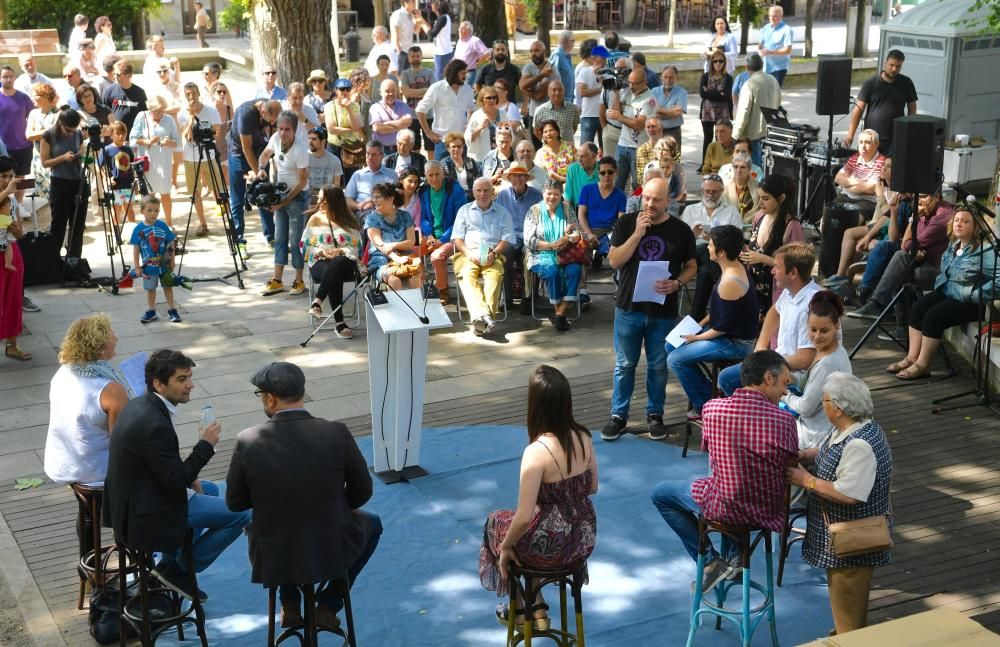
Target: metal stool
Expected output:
[745,618]
[307,635]
[711,371]
[94,563]
[790,534]
[533,581]
[139,619]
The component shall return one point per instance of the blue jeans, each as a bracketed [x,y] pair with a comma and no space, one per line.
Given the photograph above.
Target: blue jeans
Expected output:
[238,167]
[757,152]
[589,127]
[470,80]
[729,378]
[290,221]
[561,281]
[677,507]
[683,362]
[440,60]
[440,150]
[633,330]
[215,526]
[625,157]
[878,260]
[328,596]
[779,75]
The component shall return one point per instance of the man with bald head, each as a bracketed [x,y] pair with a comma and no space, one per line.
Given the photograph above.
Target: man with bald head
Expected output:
[389,116]
[536,75]
[253,125]
[649,235]
[557,107]
[631,108]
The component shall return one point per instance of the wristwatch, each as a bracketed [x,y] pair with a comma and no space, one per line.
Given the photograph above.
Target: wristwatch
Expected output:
[811,483]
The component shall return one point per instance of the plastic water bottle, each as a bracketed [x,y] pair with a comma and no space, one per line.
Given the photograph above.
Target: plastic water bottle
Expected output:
[785,407]
[207,415]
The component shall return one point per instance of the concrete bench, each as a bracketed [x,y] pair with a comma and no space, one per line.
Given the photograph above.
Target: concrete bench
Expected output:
[963,338]
[37,41]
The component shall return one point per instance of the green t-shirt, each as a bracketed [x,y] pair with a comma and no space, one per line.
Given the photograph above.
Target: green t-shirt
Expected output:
[437,209]
[576,179]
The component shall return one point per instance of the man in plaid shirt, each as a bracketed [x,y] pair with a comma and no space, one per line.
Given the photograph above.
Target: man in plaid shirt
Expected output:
[750,442]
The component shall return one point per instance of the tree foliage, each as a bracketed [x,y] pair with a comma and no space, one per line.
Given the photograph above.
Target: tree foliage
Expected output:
[58,14]
[987,16]
[747,13]
[488,19]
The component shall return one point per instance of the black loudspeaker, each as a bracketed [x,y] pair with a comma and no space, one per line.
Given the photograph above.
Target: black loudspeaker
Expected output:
[833,85]
[837,218]
[42,265]
[917,153]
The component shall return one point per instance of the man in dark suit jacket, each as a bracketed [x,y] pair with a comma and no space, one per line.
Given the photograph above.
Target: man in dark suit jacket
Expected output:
[146,495]
[305,479]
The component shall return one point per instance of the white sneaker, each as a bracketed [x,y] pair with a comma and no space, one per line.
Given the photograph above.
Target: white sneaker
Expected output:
[479,326]
[490,324]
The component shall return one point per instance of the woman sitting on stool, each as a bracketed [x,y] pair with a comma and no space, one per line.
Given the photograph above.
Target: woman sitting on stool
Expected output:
[555,525]
[330,244]
[956,296]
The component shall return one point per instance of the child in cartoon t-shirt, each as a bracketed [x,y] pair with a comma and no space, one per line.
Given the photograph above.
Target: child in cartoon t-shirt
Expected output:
[153,251]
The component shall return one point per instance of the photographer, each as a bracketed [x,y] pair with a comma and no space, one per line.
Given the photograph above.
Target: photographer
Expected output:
[68,196]
[631,107]
[291,169]
[611,129]
[198,124]
[253,124]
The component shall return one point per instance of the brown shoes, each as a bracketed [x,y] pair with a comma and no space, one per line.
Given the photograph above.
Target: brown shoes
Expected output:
[291,616]
[326,618]
[444,297]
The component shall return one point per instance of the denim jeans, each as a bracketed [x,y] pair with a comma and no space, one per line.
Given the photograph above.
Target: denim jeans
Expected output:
[633,330]
[625,157]
[729,378]
[238,167]
[677,507]
[779,75]
[440,150]
[683,362]
[589,127]
[757,152]
[878,260]
[215,526]
[561,281]
[470,80]
[289,223]
[440,60]
[328,596]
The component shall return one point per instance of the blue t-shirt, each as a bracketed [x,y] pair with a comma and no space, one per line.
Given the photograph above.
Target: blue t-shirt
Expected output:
[772,38]
[391,232]
[602,212]
[118,161]
[154,244]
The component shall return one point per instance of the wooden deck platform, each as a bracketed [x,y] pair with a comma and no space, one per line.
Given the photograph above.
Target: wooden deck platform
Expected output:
[946,492]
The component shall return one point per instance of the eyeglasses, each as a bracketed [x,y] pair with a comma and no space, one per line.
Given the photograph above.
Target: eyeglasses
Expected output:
[718,60]
[163,71]
[257,393]
[490,98]
[711,177]
[221,92]
[344,89]
[605,173]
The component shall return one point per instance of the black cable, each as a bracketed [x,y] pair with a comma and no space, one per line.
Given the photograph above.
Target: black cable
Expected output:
[385,396]
[409,422]
[423,320]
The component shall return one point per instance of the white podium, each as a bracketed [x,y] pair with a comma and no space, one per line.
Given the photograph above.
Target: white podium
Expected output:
[397,366]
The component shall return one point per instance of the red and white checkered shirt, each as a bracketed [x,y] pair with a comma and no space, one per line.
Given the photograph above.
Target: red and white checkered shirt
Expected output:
[856,167]
[749,442]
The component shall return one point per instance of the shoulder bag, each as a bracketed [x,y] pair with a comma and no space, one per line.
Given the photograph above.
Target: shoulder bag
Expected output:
[859,536]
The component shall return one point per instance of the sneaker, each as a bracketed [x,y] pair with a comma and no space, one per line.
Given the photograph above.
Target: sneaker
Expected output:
[149,316]
[479,326]
[175,579]
[174,317]
[273,286]
[836,279]
[291,616]
[715,571]
[298,287]
[614,429]
[270,243]
[654,424]
[870,310]
[244,252]
[584,298]
[736,564]
[202,231]
[693,415]
[562,323]
[28,305]
[491,324]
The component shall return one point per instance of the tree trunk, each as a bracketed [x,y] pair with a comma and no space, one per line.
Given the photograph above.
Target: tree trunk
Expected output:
[672,24]
[810,5]
[860,42]
[3,14]
[488,19]
[293,36]
[744,26]
[138,32]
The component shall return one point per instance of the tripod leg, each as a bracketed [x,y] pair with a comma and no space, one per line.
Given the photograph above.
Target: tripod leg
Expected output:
[325,321]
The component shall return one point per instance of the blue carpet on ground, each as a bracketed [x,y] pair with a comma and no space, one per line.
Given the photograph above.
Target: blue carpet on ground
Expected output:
[422,586]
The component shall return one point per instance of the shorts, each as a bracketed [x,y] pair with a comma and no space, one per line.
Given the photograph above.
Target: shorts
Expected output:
[122,196]
[205,179]
[150,282]
[22,160]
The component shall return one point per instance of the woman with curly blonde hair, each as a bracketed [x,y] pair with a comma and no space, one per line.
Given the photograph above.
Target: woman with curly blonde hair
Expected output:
[85,397]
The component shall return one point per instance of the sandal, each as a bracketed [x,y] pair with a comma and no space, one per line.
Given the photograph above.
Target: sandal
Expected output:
[902,364]
[13,352]
[540,623]
[913,373]
[343,331]
[316,310]
[503,615]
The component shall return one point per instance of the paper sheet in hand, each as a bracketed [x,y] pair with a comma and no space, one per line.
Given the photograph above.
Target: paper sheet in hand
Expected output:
[645,281]
[134,370]
[687,326]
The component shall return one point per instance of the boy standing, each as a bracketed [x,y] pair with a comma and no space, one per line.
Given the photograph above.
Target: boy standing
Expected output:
[117,159]
[154,241]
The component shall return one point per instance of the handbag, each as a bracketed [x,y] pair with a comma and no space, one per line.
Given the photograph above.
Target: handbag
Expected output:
[858,536]
[578,252]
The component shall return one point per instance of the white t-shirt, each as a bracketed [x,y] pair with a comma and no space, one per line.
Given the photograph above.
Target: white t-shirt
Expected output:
[403,22]
[371,63]
[633,106]
[288,163]
[207,113]
[793,312]
[589,106]
[442,42]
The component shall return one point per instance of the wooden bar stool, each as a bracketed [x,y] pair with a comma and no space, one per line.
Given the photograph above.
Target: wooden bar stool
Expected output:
[308,635]
[745,618]
[791,534]
[711,371]
[141,614]
[525,583]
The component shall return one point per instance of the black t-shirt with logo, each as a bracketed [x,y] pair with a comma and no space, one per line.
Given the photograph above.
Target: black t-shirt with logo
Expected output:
[125,104]
[671,240]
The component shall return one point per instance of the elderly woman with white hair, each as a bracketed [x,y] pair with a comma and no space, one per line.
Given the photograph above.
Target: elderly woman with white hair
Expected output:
[155,135]
[849,481]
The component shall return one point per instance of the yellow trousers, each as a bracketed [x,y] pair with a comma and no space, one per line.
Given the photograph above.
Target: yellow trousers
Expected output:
[484,300]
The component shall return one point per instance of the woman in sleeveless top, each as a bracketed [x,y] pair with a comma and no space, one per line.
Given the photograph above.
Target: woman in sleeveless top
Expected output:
[850,480]
[555,525]
[730,329]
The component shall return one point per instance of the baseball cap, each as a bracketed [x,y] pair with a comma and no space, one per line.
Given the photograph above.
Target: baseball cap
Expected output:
[342,83]
[282,379]
[601,51]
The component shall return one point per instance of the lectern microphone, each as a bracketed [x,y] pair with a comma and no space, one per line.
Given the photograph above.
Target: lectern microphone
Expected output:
[376,297]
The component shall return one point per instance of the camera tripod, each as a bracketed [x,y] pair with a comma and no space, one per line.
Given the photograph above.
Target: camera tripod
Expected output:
[208,154]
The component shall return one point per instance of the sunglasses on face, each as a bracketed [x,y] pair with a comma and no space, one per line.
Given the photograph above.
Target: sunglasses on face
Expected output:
[490,98]
[605,173]
[221,92]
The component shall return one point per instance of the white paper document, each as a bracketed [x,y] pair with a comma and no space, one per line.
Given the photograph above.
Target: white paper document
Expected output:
[134,370]
[686,326]
[645,281]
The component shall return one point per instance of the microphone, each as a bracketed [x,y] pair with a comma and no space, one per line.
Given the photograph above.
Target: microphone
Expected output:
[971,199]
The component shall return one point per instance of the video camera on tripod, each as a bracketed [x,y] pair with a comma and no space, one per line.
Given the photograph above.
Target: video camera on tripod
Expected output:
[613,78]
[203,134]
[264,193]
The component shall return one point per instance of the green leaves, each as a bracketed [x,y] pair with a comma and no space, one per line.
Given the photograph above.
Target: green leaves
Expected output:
[26,484]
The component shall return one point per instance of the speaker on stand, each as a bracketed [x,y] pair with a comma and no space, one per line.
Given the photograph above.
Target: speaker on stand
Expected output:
[833,97]
[917,153]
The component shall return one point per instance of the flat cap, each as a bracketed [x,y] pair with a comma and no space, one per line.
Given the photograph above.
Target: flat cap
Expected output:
[283,379]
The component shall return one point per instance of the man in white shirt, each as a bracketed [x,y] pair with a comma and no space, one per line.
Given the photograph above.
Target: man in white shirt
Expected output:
[588,93]
[451,101]
[67,93]
[31,75]
[296,102]
[381,45]
[292,168]
[702,217]
[193,112]
[788,317]
[671,103]
[482,235]
[402,25]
